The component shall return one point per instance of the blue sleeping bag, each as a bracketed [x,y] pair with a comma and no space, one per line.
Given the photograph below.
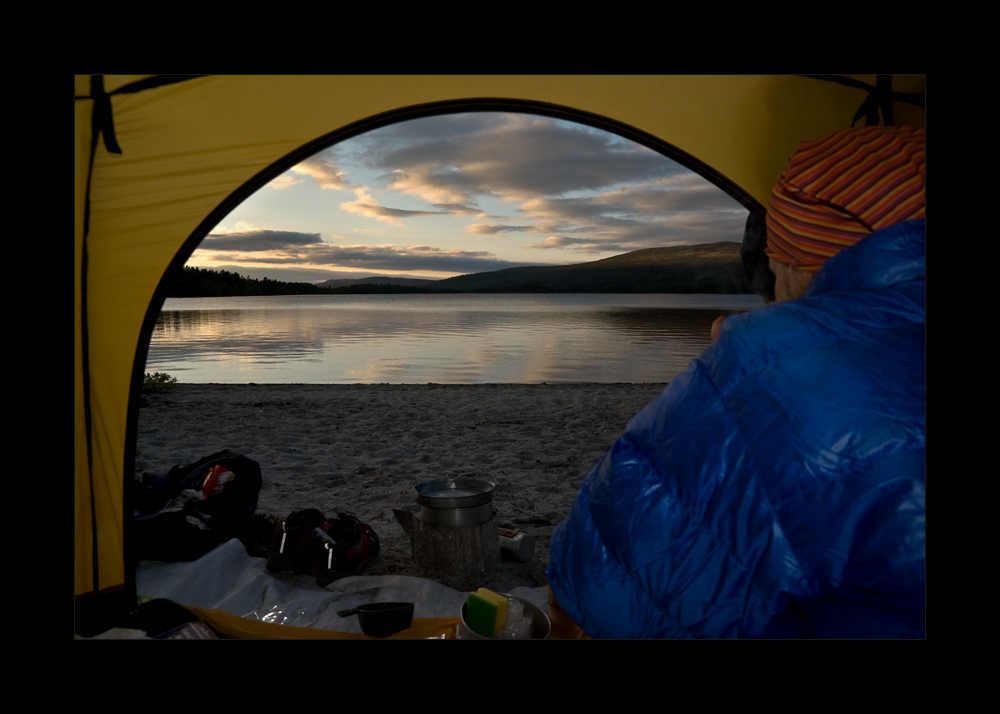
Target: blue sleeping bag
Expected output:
[775,488]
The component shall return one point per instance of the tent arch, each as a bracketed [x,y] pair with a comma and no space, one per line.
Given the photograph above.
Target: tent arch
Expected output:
[161,160]
[394,117]
[485,104]
[362,127]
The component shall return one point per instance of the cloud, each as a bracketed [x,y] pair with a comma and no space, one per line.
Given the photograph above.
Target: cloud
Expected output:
[513,156]
[321,170]
[573,189]
[458,209]
[647,215]
[368,206]
[580,245]
[265,247]
[563,179]
[486,229]
[283,181]
[392,257]
[258,240]
[430,184]
[557,242]
[239,227]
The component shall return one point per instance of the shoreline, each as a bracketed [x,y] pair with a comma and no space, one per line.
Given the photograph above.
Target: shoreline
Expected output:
[361,448]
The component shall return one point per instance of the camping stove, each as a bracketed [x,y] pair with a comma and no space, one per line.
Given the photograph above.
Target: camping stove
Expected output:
[455,532]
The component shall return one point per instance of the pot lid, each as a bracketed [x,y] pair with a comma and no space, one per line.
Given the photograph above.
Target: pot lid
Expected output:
[453,493]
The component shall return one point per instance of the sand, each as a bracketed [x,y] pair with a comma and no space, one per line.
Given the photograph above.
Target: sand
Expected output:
[362,449]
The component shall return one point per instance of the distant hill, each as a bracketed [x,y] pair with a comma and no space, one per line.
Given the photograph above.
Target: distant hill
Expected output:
[378,280]
[705,268]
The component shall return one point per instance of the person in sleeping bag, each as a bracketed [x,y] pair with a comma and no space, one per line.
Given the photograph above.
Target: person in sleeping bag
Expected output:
[775,489]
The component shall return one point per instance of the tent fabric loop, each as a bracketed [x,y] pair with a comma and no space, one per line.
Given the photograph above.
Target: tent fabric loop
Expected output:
[103,119]
[879,99]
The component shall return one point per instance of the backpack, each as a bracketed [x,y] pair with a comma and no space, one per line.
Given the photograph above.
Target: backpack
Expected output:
[184,513]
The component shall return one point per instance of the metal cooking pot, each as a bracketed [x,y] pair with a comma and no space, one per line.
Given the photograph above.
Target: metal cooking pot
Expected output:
[541,626]
[381,619]
[455,502]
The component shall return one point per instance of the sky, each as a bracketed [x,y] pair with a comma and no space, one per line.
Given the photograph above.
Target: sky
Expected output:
[467,193]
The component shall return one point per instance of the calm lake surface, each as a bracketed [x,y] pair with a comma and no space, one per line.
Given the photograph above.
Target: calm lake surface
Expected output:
[415,339]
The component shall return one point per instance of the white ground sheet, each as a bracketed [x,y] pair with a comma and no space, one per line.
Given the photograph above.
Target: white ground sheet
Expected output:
[230,580]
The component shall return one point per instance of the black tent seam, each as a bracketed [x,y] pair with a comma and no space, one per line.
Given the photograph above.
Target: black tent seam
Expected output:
[102,103]
[97,83]
[885,95]
[160,80]
[148,83]
[880,97]
[904,97]
[103,121]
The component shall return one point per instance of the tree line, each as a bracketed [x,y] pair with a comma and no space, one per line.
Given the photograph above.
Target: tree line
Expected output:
[202,282]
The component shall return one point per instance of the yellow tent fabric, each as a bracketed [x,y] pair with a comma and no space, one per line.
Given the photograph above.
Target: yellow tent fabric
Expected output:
[161,160]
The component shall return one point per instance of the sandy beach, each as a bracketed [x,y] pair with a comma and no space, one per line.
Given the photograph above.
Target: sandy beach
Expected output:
[362,448]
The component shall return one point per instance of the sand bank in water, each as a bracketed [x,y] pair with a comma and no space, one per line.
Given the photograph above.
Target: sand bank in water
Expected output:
[362,448]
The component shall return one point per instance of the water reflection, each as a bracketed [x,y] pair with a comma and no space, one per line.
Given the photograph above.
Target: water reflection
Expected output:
[421,338]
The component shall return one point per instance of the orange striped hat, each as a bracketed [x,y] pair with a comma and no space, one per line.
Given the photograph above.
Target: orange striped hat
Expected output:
[841,187]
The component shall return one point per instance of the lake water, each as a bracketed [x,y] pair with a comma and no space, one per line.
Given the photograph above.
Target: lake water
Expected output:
[415,339]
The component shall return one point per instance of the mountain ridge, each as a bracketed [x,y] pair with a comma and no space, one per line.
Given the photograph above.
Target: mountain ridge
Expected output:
[702,268]
[706,267]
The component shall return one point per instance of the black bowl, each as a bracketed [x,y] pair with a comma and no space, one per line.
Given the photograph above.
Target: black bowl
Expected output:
[381,619]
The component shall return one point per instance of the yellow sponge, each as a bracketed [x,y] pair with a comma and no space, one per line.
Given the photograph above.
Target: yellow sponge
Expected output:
[485,612]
